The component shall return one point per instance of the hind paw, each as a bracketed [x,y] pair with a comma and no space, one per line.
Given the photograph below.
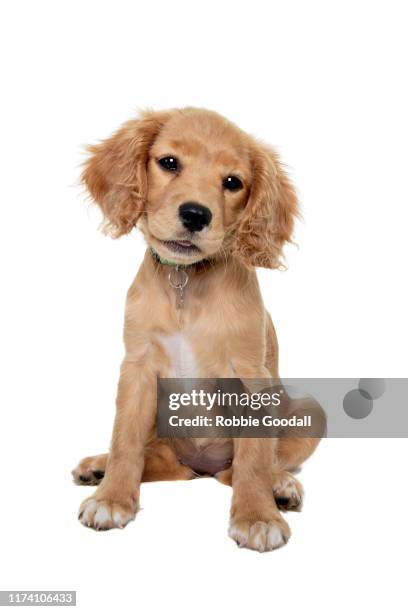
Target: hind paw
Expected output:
[90,471]
[288,492]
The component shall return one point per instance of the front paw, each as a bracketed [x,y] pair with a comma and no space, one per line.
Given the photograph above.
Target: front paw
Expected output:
[106,513]
[263,535]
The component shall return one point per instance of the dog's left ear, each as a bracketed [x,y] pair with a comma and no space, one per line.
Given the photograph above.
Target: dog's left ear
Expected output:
[268,218]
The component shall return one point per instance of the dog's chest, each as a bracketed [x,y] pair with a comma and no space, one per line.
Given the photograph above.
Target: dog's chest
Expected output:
[181,355]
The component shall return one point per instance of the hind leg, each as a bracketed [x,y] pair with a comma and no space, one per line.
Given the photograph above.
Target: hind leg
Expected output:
[287,490]
[298,444]
[161,463]
[293,449]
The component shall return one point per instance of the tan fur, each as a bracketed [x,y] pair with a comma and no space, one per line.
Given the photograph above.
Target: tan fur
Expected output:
[224,322]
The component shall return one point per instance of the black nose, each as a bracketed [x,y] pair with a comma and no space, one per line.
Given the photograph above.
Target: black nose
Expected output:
[194,216]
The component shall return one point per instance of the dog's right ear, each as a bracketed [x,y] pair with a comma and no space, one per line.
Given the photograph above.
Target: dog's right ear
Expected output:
[115,172]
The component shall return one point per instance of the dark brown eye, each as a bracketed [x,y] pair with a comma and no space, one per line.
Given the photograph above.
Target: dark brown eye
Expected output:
[232,183]
[169,163]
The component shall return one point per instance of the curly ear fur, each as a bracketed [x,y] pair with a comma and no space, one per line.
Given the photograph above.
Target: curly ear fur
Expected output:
[115,173]
[268,219]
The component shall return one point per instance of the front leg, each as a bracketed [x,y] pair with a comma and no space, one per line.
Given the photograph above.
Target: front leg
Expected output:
[256,522]
[116,500]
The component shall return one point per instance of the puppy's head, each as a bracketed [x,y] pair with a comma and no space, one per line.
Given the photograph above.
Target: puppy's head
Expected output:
[196,185]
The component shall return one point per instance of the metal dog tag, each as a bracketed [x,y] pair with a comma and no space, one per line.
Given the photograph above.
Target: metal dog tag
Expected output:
[178,279]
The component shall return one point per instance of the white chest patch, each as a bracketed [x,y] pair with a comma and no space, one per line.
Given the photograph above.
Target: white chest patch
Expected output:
[180,354]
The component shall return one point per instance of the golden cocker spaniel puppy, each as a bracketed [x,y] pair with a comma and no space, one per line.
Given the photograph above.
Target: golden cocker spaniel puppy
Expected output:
[214,200]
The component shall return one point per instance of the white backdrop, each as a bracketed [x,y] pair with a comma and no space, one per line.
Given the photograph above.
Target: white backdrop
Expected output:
[325,82]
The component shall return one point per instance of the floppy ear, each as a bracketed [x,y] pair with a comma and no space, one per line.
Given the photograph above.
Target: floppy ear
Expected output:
[268,218]
[115,173]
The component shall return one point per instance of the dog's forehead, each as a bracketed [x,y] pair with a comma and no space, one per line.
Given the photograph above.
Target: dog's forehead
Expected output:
[204,132]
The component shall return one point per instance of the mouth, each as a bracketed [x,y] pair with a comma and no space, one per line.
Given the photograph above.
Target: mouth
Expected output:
[183,247]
